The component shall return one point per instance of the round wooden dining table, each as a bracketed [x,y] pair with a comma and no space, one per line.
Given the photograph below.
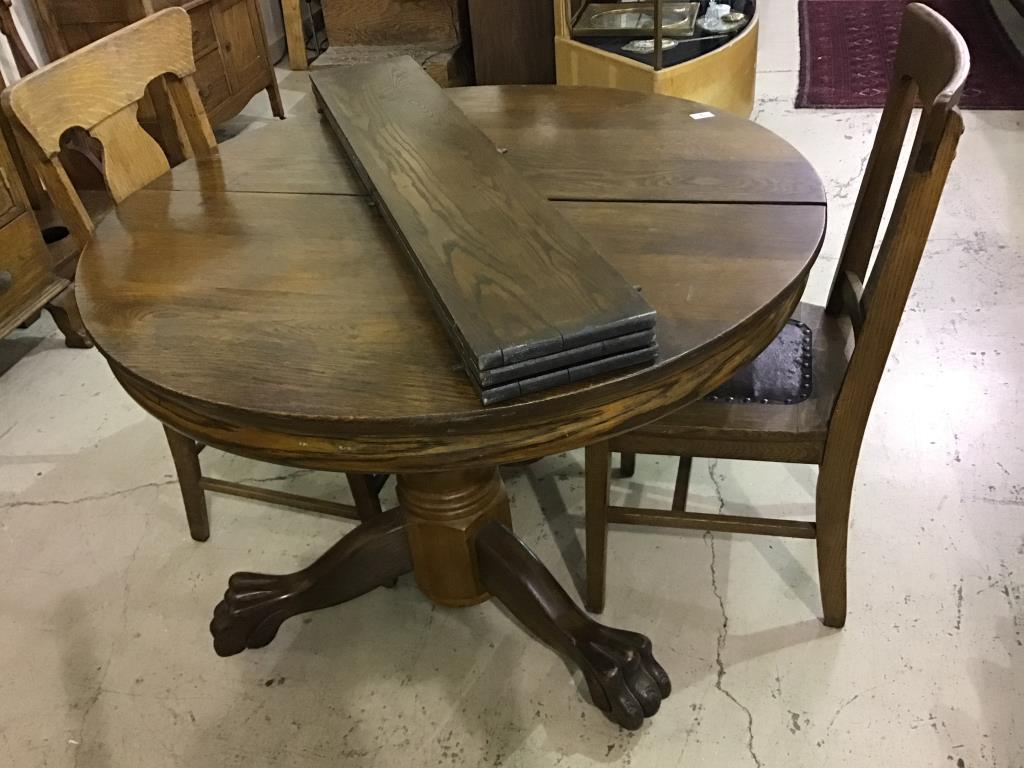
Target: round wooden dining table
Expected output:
[256,302]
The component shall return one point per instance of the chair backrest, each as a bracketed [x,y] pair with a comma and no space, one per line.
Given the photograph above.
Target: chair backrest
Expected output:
[931,66]
[97,89]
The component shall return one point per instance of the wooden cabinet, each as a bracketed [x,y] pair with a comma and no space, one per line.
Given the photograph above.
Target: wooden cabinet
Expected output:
[230,46]
[513,43]
[228,40]
[27,280]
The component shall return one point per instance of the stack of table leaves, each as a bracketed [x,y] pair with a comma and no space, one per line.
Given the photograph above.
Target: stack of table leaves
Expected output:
[528,303]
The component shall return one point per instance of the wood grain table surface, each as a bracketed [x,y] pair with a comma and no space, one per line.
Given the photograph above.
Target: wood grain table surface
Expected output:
[261,283]
[255,301]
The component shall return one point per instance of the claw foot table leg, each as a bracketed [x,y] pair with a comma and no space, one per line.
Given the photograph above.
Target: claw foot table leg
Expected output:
[624,679]
[454,531]
[255,604]
[464,551]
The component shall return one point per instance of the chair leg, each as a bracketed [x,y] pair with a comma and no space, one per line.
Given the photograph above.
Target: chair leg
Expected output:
[835,486]
[627,464]
[364,495]
[682,484]
[185,453]
[598,472]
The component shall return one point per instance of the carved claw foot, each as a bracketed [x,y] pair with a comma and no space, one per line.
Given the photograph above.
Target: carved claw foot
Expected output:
[255,605]
[253,609]
[624,679]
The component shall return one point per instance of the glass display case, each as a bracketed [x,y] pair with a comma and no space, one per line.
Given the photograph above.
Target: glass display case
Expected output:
[688,30]
[702,50]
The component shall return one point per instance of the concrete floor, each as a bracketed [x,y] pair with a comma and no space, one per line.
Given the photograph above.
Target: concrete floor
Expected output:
[106,659]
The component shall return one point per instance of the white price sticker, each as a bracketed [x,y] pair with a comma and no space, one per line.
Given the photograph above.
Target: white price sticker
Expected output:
[701,115]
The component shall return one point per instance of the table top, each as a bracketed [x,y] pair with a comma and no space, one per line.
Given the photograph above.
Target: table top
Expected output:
[257,298]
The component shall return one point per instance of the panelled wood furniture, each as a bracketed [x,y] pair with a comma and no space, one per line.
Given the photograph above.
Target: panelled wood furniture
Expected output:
[229,46]
[28,282]
[512,42]
[24,64]
[328,356]
[79,90]
[852,336]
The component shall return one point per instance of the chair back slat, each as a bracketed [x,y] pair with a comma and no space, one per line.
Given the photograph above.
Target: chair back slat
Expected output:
[97,89]
[931,64]
[851,289]
[876,185]
[892,275]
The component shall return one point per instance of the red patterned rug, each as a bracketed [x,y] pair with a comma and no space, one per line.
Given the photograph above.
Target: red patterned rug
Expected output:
[847,46]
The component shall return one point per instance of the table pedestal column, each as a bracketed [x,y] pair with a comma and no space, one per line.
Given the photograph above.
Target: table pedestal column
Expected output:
[444,511]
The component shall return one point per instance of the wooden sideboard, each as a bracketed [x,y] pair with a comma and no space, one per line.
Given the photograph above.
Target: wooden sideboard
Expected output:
[228,40]
[28,282]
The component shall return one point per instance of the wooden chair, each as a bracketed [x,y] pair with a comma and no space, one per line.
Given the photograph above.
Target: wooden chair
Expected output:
[851,338]
[97,89]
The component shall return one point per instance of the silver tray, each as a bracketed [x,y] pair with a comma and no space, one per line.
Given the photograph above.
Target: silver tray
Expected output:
[635,20]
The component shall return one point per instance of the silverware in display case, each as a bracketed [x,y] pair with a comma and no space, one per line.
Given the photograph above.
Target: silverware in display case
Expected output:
[635,20]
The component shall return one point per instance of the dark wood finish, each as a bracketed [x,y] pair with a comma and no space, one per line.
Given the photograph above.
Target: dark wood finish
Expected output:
[627,464]
[328,356]
[709,522]
[513,42]
[229,46]
[598,463]
[509,277]
[708,277]
[682,484]
[256,604]
[185,453]
[598,147]
[244,164]
[623,677]
[293,500]
[852,338]
[365,490]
